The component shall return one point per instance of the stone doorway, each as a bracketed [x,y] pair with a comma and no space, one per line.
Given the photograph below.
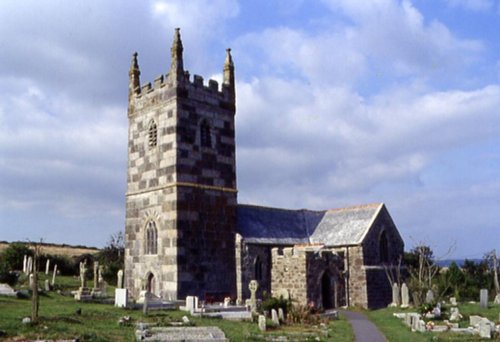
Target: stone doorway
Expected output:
[326,291]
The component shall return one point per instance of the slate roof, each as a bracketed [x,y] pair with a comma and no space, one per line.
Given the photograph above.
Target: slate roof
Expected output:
[335,227]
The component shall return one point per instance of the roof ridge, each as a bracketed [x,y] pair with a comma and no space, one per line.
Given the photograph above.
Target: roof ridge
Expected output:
[280,209]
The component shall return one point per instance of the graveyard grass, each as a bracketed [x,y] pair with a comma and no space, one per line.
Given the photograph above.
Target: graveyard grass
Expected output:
[395,330]
[58,319]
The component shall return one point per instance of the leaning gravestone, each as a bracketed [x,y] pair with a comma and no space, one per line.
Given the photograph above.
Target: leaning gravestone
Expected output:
[54,275]
[47,266]
[483,298]
[405,296]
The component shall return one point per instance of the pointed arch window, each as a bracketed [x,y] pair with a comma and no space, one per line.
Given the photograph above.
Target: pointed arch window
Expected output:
[205,137]
[152,134]
[151,238]
[383,248]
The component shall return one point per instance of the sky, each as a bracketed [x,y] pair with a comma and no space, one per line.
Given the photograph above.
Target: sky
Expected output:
[339,103]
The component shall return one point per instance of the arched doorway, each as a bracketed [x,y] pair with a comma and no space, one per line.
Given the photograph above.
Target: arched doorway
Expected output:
[150,283]
[326,291]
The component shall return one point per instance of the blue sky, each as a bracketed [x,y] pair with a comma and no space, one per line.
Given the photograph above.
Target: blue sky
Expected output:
[339,103]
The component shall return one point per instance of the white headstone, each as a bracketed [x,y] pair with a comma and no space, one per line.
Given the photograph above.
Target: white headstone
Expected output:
[405,296]
[47,266]
[54,275]
[395,294]
[485,329]
[29,265]
[31,281]
[274,317]
[429,296]
[483,298]
[497,299]
[121,298]
[96,274]
[453,301]
[47,286]
[25,261]
[281,314]
[227,301]
[262,323]
[119,282]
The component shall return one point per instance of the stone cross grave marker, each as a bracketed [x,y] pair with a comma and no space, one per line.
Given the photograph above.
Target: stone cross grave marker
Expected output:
[253,286]
[405,296]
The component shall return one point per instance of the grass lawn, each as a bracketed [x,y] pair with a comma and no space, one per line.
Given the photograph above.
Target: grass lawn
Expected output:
[58,319]
[395,330]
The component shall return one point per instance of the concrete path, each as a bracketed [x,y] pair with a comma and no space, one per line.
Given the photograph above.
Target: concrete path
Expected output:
[364,330]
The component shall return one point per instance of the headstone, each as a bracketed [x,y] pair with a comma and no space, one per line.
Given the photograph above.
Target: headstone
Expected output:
[497,299]
[31,281]
[274,317]
[119,282]
[29,265]
[262,323]
[145,305]
[96,274]
[26,320]
[253,286]
[54,275]
[484,329]
[395,295]
[185,319]
[47,286]
[405,296]
[47,266]
[25,262]
[483,299]
[83,269]
[453,301]
[281,314]
[429,296]
[455,314]
[121,298]
[227,301]
[192,304]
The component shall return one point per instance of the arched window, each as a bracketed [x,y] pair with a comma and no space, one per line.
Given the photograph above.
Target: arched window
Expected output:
[151,238]
[383,248]
[152,134]
[257,269]
[205,137]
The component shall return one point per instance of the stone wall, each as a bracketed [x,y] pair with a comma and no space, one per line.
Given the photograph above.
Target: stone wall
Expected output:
[248,254]
[301,270]
[358,295]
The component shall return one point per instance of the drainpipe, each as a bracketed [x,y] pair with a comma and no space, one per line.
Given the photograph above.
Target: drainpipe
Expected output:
[346,277]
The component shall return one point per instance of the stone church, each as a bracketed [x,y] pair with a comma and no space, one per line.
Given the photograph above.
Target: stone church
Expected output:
[185,232]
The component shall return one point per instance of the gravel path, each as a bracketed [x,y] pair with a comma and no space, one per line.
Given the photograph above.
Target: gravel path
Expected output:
[364,330]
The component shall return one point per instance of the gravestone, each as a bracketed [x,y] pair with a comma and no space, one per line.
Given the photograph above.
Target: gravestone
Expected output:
[405,296]
[274,317]
[83,269]
[395,295]
[119,277]
[485,329]
[281,314]
[262,323]
[453,301]
[29,265]
[96,274]
[121,298]
[54,275]
[497,299]
[47,266]
[191,304]
[429,296]
[47,286]
[31,281]
[25,261]
[483,298]
[455,314]
[253,286]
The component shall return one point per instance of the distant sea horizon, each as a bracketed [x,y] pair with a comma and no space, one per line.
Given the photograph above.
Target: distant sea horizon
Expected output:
[459,262]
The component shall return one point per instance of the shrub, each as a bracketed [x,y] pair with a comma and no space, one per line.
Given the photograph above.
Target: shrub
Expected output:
[276,303]
[304,314]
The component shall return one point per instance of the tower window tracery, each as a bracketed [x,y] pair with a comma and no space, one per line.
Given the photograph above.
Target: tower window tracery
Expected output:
[151,238]
[152,134]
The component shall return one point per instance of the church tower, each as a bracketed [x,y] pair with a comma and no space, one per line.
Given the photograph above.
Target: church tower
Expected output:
[181,193]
